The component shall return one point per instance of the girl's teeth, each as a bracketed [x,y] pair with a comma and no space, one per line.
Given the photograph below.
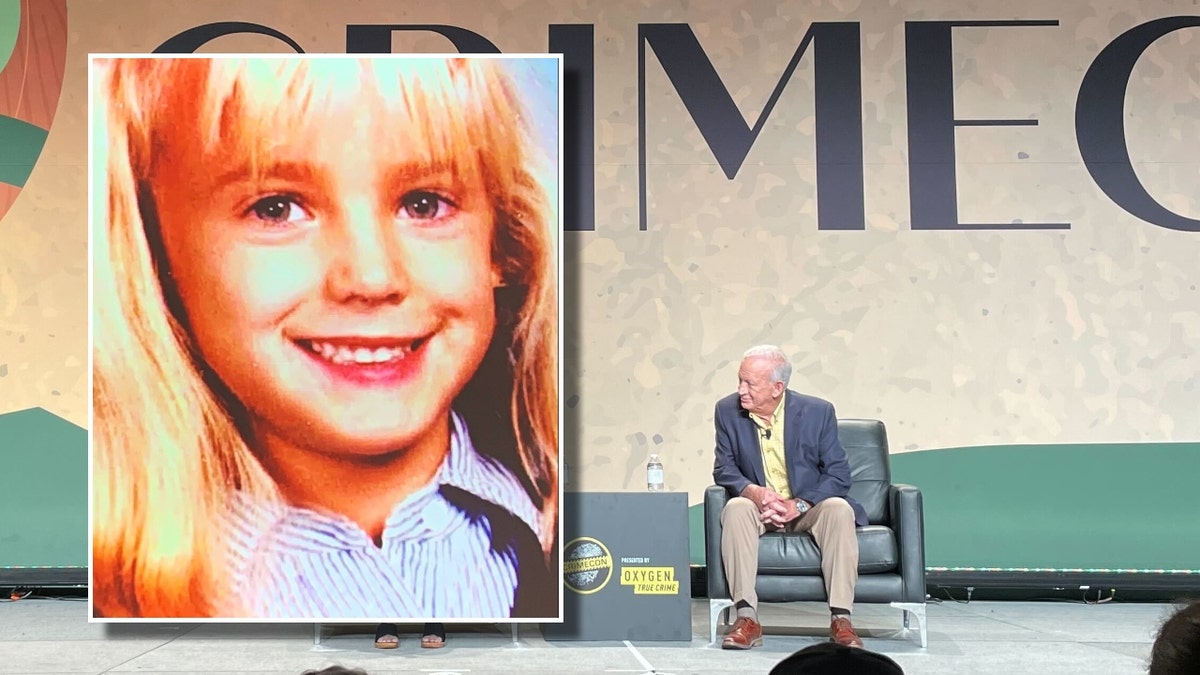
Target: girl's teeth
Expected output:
[363,355]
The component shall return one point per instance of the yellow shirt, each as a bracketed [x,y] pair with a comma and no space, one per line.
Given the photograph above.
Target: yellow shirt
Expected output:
[770,442]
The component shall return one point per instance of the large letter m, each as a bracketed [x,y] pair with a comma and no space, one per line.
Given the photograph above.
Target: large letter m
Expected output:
[838,94]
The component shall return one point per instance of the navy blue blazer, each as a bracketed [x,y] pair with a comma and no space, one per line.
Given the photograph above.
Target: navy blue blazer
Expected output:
[816,461]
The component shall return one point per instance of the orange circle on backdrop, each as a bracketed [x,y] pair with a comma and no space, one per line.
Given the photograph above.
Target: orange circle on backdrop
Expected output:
[33,59]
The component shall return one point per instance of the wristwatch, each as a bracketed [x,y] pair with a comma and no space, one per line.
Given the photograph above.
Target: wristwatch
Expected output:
[801,506]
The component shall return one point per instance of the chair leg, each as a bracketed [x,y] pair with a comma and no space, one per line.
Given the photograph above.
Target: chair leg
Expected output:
[910,610]
[717,608]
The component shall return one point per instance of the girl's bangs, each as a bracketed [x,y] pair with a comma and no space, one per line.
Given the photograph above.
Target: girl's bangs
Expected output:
[434,112]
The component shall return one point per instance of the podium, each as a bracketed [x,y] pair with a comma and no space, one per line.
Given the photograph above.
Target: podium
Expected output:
[626,567]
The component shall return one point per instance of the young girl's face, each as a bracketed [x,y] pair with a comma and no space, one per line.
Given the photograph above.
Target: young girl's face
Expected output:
[340,285]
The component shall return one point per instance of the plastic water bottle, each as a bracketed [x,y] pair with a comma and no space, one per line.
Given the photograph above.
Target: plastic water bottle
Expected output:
[654,474]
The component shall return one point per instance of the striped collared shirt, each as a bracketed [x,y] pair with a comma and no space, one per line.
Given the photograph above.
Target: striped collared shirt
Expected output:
[436,560]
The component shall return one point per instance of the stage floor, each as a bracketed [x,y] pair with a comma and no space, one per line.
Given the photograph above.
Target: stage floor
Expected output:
[981,638]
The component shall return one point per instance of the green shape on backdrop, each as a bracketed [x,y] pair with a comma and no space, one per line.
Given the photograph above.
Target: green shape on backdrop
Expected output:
[10,26]
[43,504]
[1086,506]
[22,143]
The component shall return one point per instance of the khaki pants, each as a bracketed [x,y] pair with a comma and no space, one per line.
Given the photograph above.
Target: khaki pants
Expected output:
[831,524]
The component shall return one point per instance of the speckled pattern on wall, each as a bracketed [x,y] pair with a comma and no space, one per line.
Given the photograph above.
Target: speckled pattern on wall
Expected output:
[953,338]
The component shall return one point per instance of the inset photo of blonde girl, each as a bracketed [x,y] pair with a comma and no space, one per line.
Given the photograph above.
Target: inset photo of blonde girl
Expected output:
[325,338]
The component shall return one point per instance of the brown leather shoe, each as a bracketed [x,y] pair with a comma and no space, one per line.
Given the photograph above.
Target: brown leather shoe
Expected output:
[746,633]
[842,632]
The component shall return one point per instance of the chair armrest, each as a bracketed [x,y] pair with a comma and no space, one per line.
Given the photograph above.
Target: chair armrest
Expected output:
[908,521]
[715,498]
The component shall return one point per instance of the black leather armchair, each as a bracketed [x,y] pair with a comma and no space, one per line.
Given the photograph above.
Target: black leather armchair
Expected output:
[891,547]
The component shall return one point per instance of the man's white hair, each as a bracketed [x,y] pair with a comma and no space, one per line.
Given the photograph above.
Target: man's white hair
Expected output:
[782,372]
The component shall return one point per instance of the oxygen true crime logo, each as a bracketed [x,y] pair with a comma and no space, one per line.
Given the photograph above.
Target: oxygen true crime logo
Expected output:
[650,580]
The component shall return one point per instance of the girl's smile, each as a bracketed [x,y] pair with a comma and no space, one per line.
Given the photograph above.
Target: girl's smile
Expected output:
[364,361]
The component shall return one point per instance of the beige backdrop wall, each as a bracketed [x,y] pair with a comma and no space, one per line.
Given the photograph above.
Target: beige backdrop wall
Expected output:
[952,338]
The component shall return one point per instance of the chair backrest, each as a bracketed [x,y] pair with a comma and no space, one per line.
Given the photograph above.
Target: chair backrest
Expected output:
[866,447]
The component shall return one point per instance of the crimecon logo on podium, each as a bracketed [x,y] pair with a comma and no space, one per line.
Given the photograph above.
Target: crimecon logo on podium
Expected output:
[33,56]
[587,565]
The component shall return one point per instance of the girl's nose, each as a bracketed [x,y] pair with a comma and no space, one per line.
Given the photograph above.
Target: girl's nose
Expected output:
[368,260]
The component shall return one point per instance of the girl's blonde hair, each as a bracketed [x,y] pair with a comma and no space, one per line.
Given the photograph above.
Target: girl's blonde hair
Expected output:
[167,454]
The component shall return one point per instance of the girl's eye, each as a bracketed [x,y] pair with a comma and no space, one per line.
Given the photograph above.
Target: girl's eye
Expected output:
[426,205]
[278,209]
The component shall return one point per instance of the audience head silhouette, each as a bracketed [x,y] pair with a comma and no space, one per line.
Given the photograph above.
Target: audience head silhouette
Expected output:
[828,658]
[336,670]
[1176,651]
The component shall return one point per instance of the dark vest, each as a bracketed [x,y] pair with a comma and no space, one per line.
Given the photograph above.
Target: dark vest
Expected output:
[537,583]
